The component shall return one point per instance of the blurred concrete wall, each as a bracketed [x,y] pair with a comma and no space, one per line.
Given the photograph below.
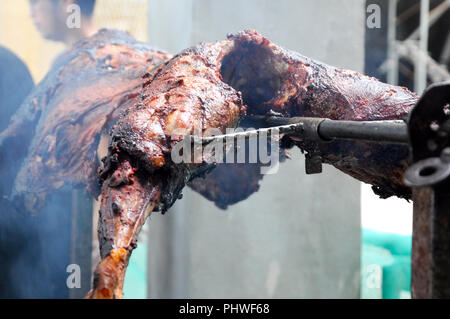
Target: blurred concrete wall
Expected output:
[299,236]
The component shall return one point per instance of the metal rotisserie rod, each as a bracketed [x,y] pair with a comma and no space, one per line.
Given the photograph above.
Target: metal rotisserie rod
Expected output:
[322,129]
[326,129]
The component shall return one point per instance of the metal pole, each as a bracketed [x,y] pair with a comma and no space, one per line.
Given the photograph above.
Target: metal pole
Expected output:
[325,129]
[421,272]
[434,16]
[376,131]
[445,55]
[81,240]
[392,72]
[440,244]
[420,74]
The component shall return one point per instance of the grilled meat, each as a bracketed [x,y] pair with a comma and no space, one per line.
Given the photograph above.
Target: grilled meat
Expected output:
[102,76]
[285,83]
[65,115]
[200,88]
[182,95]
[110,82]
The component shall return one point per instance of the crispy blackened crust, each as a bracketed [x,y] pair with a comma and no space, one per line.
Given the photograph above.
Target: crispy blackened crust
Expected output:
[211,85]
[65,115]
[183,96]
[202,88]
[277,81]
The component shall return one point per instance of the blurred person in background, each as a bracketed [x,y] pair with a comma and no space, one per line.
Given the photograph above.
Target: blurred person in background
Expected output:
[65,21]
[32,262]
[15,85]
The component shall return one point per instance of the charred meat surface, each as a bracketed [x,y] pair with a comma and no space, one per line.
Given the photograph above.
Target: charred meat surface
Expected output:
[201,88]
[277,81]
[111,83]
[232,182]
[80,98]
[138,193]
[219,185]
[181,96]
[102,76]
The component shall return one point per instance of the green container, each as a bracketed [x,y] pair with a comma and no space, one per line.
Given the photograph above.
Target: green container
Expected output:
[385,265]
[135,286]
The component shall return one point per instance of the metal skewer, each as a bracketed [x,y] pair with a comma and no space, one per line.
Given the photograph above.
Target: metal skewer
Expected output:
[323,130]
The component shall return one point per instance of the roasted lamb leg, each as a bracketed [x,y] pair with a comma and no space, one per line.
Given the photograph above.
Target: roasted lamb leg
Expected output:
[181,96]
[110,81]
[102,76]
[202,87]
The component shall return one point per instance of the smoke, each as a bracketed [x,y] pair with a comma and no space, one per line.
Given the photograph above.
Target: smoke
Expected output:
[15,85]
[34,249]
[33,252]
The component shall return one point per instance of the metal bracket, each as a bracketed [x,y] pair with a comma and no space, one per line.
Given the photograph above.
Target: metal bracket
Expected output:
[429,132]
[313,162]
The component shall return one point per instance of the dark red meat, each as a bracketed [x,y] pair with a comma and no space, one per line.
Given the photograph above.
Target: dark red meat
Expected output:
[202,87]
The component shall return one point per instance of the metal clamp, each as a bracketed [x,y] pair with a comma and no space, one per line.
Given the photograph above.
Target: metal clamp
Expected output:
[429,132]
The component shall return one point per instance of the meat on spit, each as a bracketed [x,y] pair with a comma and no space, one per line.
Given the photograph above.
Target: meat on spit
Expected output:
[212,85]
[201,88]
[59,125]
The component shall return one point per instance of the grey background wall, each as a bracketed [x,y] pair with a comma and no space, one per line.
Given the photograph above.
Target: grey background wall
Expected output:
[299,236]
